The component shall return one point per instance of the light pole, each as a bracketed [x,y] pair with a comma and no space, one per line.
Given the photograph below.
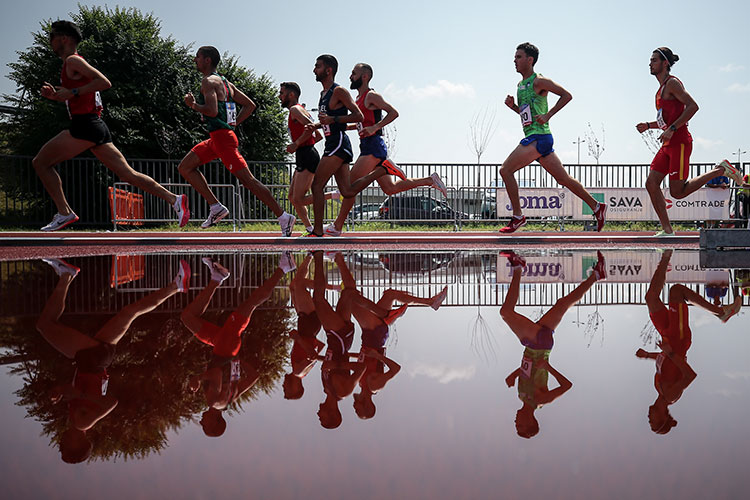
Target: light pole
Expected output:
[578,142]
[739,154]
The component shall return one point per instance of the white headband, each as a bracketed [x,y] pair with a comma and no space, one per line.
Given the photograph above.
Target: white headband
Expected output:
[664,56]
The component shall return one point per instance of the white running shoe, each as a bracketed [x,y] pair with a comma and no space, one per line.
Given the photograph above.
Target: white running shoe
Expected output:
[215,216]
[286,262]
[286,221]
[218,272]
[181,208]
[61,267]
[438,184]
[59,221]
[731,171]
[182,280]
[330,230]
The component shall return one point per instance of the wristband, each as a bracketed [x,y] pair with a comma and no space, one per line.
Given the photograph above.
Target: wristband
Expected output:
[672,128]
[74,92]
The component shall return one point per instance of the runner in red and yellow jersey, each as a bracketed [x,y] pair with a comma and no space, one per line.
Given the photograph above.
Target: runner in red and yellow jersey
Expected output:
[79,90]
[674,107]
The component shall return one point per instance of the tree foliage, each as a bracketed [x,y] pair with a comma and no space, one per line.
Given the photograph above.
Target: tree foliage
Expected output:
[144,108]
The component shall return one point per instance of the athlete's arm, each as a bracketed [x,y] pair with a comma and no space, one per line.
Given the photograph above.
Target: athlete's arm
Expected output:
[677,90]
[75,65]
[510,101]
[547,85]
[248,106]
[393,367]
[510,380]
[376,101]
[343,96]
[643,354]
[565,385]
[211,106]
[298,116]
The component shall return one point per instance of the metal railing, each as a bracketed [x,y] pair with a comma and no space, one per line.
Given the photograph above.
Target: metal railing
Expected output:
[24,203]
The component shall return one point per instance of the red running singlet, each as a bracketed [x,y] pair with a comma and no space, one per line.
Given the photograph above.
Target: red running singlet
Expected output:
[86,104]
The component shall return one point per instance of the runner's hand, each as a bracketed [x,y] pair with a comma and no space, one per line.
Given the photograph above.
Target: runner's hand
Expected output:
[189,100]
[510,102]
[641,127]
[48,91]
[664,138]
[324,118]
[291,148]
[542,119]
[368,131]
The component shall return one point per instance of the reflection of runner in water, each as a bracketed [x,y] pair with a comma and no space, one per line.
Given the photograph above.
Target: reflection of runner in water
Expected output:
[673,373]
[339,374]
[538,340]
[306,348]
[87,395]
[226,377]
[375,319]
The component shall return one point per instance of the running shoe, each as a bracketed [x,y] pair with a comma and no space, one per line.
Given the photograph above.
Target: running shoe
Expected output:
[438,299]
[731,171]
[600,214]
[600,268]
[394,314]
[663,233]
[61,267]
[514,259]
[182,280]
[392,169]
[438,184]
[215,215]
[286,262]
[218,272]
[181,208]
[60,221]
[731,309]
[286,221]
[311,234]
[330,230]
[514,224]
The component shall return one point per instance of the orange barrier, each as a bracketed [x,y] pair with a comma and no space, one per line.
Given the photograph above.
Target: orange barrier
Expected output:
[126,206]
[127,268]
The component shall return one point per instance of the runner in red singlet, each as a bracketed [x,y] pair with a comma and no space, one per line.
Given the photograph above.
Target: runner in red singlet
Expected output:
[674,108]
[80,87]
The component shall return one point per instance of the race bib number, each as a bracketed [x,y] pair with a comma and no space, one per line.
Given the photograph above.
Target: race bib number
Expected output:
[234,370]
[526,367]
[231,114]
[660,120]
[525,113]
[326,130]
[98,99]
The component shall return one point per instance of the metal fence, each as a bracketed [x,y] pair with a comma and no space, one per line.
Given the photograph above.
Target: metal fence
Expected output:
[24,203]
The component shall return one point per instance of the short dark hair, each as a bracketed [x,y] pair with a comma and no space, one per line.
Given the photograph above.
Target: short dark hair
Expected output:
[66,28]
[210,52]
[291,86]
[530,49]
[367,68]
[666,54]
[329,62]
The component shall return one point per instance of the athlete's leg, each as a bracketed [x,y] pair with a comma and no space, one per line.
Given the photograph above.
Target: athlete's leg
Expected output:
[260,294]
[68,341]
[391,186]
[518,159]
[328,166]
[300,295]
[259,190]
[329,318]
[552,164]
[653,186]
[113,159]
[301,183]
[362,173]
[188,169]
[191,315]
[520,325]
[656,285]
[58,149]
[679,188]
[681,293]
[114,329]
[554,316]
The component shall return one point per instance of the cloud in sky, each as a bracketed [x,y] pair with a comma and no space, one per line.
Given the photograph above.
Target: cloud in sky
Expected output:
[443,373]
[441,89]
[739,87]
[731,68]
[707,143]
[738,375]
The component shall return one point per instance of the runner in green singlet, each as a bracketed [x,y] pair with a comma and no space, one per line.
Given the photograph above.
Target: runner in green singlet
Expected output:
[537,145]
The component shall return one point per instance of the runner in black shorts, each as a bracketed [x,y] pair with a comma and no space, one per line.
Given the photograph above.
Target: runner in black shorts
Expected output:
[80,86]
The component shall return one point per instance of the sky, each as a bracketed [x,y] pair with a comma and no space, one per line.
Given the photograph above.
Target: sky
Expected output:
[442,63]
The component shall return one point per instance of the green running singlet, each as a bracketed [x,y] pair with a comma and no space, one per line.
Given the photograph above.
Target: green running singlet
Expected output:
[531,105]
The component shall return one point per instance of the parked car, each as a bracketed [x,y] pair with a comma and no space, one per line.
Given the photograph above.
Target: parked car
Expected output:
[365,211]
[406,207]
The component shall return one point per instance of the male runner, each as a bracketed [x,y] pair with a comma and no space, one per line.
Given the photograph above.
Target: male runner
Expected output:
[373,151]
[80,86]
[537,145]
[217,105]
[336,108]
[674,107]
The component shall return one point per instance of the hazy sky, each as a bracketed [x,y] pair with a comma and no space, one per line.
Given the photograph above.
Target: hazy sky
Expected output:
[439,63]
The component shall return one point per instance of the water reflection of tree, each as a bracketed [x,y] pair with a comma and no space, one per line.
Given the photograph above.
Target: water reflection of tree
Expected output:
[148,376]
